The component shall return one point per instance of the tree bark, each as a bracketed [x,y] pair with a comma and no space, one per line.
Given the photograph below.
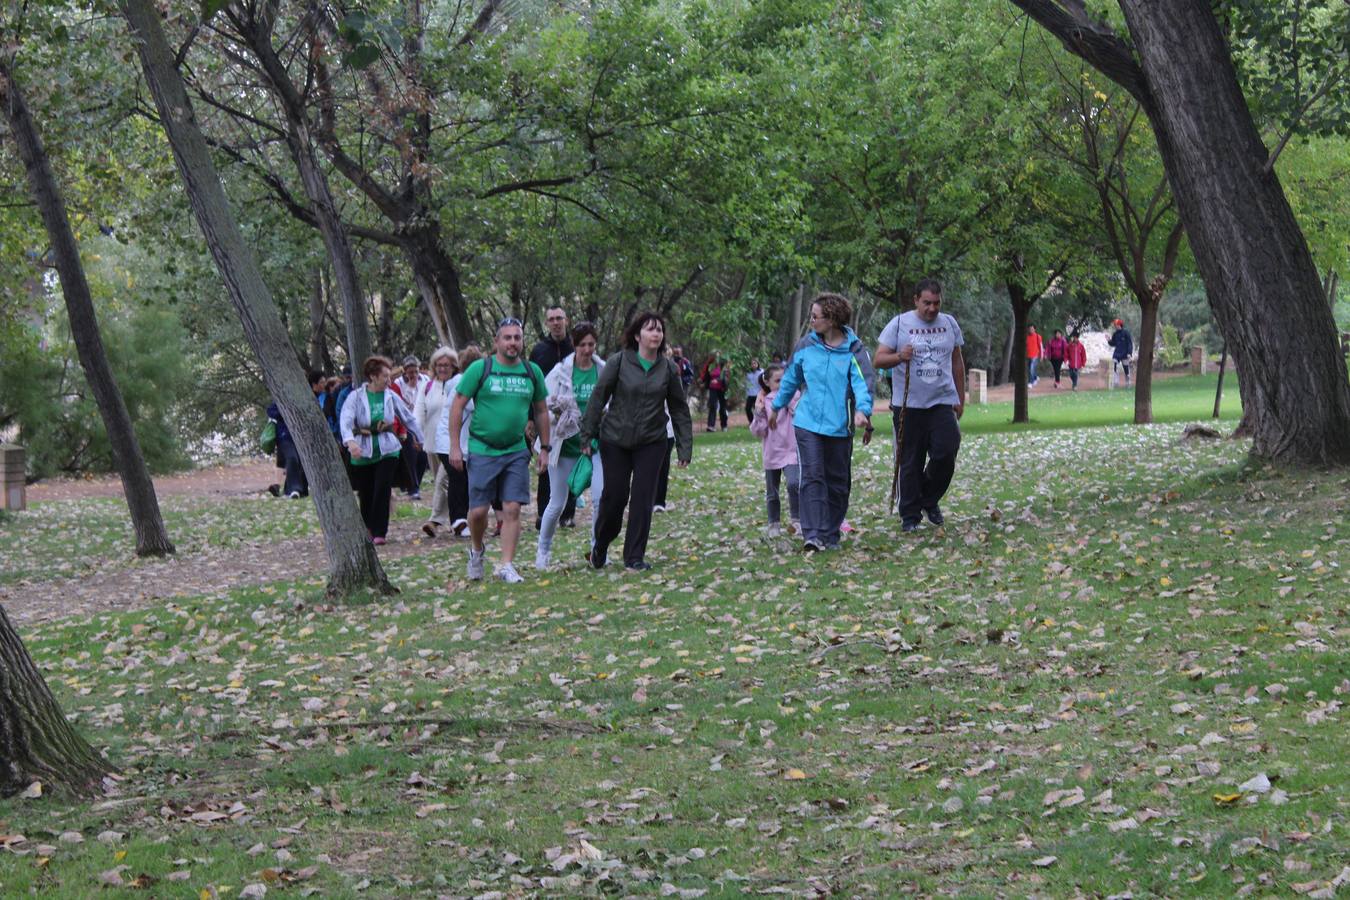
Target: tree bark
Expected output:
[1021,309]
[37,743]
[1218,390]
[1246,242]
[1143,370]
[352,561]
[301,143]
[151,537]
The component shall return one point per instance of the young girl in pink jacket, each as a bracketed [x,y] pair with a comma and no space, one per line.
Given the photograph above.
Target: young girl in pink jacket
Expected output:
[780,452]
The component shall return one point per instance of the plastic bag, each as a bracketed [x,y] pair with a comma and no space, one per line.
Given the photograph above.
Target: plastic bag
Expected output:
[268,439]
[580,479]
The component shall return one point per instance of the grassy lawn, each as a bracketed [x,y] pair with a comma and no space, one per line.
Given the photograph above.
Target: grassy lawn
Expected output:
[1121,667]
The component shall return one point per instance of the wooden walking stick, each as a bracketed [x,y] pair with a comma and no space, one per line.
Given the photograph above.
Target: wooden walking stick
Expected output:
[900,441]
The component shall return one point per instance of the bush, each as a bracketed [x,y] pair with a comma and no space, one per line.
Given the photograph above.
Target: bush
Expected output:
[43,391]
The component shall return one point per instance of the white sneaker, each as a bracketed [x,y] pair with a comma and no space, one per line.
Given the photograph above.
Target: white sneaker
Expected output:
[509,574]
[796,527]
[658,508]
[293,495]
[542,560]
[774,530]
[476,564]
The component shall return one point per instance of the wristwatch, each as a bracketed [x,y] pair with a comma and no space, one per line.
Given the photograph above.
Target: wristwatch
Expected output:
[546,447]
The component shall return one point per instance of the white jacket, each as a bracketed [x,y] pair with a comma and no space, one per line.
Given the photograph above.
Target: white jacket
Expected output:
[564,414]
[443,422]
[432,400]
[356,415]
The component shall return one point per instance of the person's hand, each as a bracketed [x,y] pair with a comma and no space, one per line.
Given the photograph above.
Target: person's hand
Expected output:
[354,449]
[543,462]
[586,448]
[906,353]
[681,463]
[958,408]
[456,459]
[865,423]
[529,431]
[773,417]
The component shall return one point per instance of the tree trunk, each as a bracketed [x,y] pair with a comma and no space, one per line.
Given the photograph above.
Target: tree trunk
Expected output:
[1021,309]
[301,144]
[438,281]
[352,561]
[36,741]
[1246,241]
[151,537]
[1218,391]
[317,304]
[1143,370]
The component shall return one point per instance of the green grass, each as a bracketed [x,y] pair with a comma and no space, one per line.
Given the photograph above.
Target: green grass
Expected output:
[1108,609]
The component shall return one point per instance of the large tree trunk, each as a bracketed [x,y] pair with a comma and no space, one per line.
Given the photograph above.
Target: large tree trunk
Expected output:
[1262,285]
[1021,309]
[36,741]
[352,561]
[1148,341]
[151,537]
[438,282]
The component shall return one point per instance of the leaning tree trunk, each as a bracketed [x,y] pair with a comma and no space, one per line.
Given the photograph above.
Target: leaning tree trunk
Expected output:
[36,741]
[352,561]
[1244,236]
[438,282]
[301,143]
[1021,309]
[1143,370]
[151,537]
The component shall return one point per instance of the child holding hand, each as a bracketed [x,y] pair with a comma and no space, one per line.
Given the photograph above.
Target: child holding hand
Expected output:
[780,452]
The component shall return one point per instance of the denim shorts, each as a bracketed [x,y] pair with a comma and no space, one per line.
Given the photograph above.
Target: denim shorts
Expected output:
[504,479]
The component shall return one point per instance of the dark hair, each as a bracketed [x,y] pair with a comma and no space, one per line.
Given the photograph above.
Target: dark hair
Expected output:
[765,375]
[834,307]
[630,334]
[583,330]
[932,285]
[313,376]
[1058,332]
[372,366]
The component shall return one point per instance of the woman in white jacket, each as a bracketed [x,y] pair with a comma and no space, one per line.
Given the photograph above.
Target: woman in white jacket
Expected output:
[569,384]
[457,480]
[431,402]
[367,429]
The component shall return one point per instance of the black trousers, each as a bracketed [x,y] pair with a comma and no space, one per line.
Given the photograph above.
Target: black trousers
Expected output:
[750,407]
[296,482]
[927,457]
[373,485]
[663,477]
[628,472]
[541,502]
[717,402]
[457,487]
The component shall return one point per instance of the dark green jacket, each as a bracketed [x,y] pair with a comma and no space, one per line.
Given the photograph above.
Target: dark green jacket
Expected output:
[638,400]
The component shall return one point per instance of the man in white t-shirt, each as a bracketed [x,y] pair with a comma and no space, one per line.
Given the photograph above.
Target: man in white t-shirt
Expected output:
[929,342]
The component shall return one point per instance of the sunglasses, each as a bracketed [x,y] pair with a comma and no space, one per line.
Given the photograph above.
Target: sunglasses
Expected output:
[509,321]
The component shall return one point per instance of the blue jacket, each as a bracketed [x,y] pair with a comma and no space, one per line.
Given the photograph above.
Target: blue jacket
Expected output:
[826,375]
[1122,345]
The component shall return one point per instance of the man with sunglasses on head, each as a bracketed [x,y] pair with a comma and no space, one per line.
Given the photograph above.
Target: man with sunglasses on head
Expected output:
[553,348]
[507,392]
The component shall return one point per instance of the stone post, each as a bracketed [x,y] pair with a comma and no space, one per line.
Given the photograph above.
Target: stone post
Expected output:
[977,386]
[12,474]
[1197,360]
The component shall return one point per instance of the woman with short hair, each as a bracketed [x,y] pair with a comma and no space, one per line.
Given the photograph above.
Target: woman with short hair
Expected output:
[432,399]
[368,419]
[825,370]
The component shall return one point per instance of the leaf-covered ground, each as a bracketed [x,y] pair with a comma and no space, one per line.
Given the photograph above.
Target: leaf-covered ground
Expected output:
[1120,668]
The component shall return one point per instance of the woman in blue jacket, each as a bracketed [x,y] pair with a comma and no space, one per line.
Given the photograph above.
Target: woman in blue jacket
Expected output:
[833,385]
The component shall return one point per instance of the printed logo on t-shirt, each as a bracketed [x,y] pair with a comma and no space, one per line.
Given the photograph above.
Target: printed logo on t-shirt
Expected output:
[929,353]
[515,385]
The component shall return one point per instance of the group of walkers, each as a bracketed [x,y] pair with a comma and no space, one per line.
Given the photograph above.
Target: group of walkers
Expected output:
[1072,354]
[482,420]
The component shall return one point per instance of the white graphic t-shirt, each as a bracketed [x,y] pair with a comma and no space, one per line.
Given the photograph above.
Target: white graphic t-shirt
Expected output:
[931,383]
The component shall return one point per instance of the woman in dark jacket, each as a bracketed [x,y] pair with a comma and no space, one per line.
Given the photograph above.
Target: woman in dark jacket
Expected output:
[637,389]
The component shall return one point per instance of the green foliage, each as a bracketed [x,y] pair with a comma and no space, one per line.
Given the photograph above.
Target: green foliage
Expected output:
[43,393]
[1170,352]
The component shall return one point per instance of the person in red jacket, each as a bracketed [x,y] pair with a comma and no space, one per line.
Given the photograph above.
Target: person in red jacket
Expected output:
[1076,356]
[1057,352]
[1034,354]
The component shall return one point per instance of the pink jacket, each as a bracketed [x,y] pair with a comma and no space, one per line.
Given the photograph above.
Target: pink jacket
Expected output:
[780,444]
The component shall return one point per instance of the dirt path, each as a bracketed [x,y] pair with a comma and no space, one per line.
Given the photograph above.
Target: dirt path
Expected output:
[122,584]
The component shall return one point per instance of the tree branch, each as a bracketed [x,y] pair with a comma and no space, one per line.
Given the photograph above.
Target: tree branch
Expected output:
[1092,40]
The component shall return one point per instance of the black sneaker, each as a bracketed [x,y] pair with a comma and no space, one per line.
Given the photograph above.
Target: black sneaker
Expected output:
[810,546]
[909,525]
[640,566]
[935,515]
[595,559]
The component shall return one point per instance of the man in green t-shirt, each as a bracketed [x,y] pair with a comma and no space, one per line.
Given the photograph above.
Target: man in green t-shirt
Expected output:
[510,395]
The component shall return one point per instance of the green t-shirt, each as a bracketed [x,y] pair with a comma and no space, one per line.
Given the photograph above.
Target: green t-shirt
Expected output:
[645,362]
[376,415]
[583,385]
[502,407]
